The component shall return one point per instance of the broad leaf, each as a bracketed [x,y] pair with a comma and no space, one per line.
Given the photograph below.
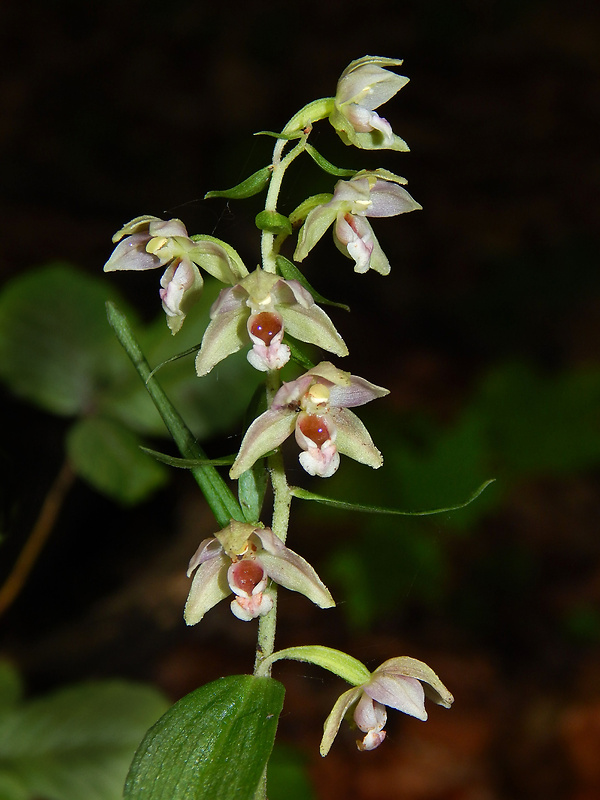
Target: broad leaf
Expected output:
[55,345]
[108,456]
[75,743]
[214,743]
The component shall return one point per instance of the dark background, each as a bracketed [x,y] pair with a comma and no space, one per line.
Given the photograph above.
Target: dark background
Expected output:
[118,109]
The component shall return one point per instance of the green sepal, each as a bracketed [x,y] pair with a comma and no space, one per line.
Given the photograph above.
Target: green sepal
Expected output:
[248,188]
[327,166]
[347,667]
[273,222]
[300,213]
[303,494]
[288,270]
[252,486]
[188,463]
[214,743]
[218,495]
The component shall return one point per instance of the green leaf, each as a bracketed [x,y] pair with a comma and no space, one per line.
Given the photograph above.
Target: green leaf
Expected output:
[287,777]
[214,743]
[291,273]
[108,456]
[55,348]
[218,495]
[273,222]
[76,743]
[251,186]
[303,494]
[188,463]
[275,135]
[11,687]
[327,166]
[12,787]
[252,486]
[297,354]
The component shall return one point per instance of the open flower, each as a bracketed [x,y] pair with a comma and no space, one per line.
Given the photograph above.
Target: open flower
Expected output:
[364,86]
[240,559]
[315,407]
[399,683]
[368,194]
[259,309]
[151,242]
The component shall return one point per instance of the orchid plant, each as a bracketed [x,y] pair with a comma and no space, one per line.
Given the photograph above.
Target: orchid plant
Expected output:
[269,310]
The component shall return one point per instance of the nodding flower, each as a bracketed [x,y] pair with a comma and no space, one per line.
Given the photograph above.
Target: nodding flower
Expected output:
[151,242]
[369,194]
[240,559]
[401,683]
[316,408]
[259,309]
[365,85]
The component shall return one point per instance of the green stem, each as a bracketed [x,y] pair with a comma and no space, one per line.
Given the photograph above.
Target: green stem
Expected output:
[303,120]
[282,499]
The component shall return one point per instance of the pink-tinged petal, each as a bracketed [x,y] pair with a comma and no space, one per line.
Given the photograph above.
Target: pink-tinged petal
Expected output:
[334,720]
[248,608]
[266,333]
[225,334]
[411,667]
[181,288]
[399,692]
[354,440]
[354,238]
[388,200]
[320,461]
[369,714]
[291,392]
[291,293]
[357,393]
[131,254]
[364,121]
[371,740]
[208,588]
[290,570]
[313,325]
[167,228]
[208,548]
[266,433]
[267,357]
[229,300]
